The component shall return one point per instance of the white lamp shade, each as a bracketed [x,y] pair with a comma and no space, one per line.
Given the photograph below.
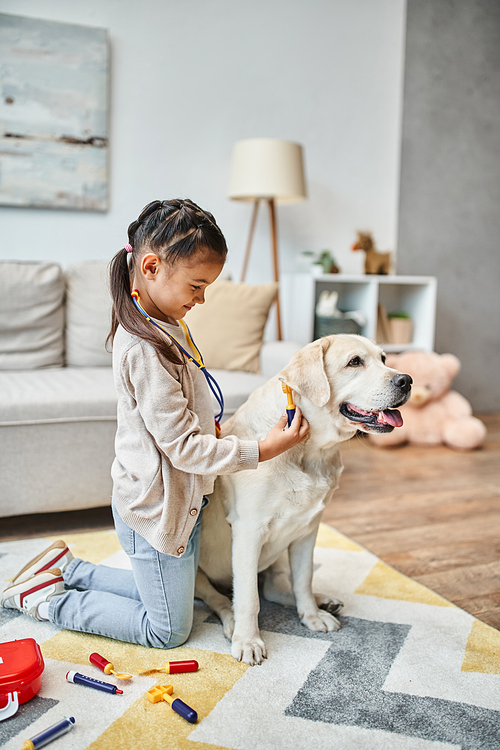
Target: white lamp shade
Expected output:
[267,168]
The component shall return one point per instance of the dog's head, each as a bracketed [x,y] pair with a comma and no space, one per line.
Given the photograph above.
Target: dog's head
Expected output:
[347,375]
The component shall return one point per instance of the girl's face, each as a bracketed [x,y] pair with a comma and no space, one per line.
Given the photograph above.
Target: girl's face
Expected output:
[168,292]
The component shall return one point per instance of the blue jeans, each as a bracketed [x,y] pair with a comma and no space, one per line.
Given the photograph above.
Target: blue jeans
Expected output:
[151,605]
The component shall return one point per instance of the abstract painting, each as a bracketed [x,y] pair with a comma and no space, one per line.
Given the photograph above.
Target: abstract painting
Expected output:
[53,114]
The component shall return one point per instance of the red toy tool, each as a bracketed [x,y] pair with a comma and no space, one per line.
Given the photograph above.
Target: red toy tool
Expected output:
[21,667]
[172,667]
[101,663]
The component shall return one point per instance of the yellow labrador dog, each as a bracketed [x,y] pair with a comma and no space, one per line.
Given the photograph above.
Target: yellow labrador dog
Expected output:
[267,520]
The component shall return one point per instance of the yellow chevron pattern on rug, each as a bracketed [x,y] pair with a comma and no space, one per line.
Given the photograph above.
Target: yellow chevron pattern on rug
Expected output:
[483,649]
[387,583]
[126,657]
[156,726]
[93,546]
[144,724]
[333,539]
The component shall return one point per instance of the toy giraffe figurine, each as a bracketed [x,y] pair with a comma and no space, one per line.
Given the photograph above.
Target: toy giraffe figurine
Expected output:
[375,263]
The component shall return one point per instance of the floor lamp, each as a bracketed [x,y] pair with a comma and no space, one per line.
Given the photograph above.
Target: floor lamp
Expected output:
[270,170]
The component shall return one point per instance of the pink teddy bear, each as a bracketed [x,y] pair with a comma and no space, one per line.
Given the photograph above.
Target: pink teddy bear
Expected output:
[434,414]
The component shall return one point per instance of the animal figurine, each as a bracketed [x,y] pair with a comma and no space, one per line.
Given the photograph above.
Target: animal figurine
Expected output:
[327,305]
[434,414]
[375,262]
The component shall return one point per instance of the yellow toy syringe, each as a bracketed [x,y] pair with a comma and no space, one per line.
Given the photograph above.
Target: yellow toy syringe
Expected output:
[290,407]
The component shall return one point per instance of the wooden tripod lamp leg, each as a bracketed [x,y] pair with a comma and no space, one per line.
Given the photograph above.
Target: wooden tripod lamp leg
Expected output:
[250,238]
[274,247]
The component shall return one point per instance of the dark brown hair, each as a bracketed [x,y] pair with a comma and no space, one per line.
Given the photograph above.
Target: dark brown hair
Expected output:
[174,230]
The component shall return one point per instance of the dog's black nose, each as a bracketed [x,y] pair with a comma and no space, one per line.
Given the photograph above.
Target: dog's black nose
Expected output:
[403,382]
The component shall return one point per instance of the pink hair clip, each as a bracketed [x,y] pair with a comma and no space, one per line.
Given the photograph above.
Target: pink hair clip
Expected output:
[128,248]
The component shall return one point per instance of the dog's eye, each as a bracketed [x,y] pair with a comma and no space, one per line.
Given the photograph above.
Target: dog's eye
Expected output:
[356,362]
[383,359]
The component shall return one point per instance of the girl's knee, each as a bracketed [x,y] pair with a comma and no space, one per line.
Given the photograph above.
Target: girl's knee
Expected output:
[177,639]
[166,640]
[159,638]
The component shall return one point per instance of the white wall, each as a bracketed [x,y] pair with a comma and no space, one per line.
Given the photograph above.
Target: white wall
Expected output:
[189,78]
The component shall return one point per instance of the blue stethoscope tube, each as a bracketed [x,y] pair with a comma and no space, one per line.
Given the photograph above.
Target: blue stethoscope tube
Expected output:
[212,383]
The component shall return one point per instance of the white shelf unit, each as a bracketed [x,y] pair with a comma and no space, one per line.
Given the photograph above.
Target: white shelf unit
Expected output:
[415,295]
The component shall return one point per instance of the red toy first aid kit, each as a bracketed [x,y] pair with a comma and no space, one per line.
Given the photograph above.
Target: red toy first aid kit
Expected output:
[21,667]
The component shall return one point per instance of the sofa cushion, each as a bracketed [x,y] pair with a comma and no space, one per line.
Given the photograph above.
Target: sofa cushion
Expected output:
[80,394]
[88,314]
[236,388]
[56,466]
[31,315]
[229,327]
[67,393]
[275,355]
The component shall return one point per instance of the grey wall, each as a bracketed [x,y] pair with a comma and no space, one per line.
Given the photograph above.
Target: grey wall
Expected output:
[449,217]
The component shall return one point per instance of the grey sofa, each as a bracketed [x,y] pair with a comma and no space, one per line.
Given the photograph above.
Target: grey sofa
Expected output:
[57,396]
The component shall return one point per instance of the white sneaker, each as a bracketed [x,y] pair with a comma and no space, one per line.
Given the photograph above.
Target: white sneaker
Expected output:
[55,556]
[27,595]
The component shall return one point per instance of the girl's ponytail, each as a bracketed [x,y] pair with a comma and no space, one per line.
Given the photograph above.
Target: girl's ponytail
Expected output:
[125,313]
[119,281]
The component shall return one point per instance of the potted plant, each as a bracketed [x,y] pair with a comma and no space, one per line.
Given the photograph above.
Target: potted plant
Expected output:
[325,263]
[401,327]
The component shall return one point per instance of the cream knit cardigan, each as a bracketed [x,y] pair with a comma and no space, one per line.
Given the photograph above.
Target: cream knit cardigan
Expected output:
[167,455]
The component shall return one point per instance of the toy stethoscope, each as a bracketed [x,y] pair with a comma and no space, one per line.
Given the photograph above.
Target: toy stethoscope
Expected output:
[197,359]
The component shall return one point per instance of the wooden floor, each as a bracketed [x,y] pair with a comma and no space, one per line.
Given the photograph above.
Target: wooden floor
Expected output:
[431,512]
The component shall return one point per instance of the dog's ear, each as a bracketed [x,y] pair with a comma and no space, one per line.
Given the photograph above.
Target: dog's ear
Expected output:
[306,374]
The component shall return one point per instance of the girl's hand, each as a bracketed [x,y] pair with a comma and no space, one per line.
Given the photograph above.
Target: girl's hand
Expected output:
[278,440]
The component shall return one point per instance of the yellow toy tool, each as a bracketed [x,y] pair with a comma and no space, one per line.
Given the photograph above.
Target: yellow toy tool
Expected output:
[164,693]
[290,407]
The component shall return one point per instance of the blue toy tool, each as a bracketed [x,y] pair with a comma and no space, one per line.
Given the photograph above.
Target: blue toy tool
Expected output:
[290,407]
[82,679]
[50,734]
[164,693]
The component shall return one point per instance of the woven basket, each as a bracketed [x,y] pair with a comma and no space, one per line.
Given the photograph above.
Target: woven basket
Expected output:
[329,326]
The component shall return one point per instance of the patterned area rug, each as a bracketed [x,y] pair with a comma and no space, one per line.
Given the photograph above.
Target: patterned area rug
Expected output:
[408,670]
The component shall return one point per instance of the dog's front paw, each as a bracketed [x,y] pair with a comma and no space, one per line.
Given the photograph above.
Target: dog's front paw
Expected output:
[321,621]
[329,603]
[250,650]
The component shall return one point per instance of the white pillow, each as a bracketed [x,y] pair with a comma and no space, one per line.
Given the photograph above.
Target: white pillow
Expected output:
[88,314]
[31,315]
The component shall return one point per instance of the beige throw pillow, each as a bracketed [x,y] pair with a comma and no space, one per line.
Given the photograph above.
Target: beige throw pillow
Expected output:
[31,315]
[229,328]
[88,314]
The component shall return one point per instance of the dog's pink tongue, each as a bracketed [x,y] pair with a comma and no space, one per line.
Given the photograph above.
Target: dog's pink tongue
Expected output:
[391,416]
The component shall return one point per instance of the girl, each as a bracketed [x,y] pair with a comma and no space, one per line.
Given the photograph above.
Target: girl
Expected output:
[167,452]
